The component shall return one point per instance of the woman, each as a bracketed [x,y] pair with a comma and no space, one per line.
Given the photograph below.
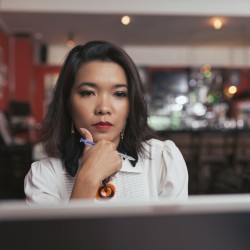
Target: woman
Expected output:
[99,98]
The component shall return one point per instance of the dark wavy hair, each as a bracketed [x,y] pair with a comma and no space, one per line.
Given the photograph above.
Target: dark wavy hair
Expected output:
[57,123]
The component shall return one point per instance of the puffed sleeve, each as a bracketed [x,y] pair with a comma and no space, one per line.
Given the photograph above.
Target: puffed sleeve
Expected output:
[41,184]
[174,175]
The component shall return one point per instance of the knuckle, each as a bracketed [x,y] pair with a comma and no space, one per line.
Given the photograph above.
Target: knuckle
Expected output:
[119,161]
[110,146]
[102,142]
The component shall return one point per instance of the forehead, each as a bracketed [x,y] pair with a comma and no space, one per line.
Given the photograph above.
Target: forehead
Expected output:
[101,71]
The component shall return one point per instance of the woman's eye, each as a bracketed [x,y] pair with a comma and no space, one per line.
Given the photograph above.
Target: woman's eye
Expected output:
[86,93]
[121,94]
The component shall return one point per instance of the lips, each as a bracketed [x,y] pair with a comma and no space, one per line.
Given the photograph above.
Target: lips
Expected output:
[103,125]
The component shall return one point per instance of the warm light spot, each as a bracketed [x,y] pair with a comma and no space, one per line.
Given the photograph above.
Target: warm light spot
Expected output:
[232,90]
[70,44]
[125,20]
[70,41]
[217,23]
[205,68]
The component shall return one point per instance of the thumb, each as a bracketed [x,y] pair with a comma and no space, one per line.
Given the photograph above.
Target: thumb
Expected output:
[87,136]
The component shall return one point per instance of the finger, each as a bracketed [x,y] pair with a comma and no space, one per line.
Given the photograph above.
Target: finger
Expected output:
[87,135]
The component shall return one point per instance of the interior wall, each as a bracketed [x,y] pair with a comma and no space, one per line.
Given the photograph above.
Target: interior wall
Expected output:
[174,56]
[163,7]
[190,56]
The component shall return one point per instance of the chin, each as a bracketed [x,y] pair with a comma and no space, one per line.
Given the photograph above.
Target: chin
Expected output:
[107,138]
[101,137]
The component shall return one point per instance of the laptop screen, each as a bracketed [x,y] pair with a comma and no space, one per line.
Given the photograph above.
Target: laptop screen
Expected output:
[158,226]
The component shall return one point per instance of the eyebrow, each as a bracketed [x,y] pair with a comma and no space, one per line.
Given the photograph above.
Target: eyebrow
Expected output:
[90,84]
[93,85]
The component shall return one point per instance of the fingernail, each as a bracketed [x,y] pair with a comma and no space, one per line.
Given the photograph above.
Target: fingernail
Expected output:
[83,130]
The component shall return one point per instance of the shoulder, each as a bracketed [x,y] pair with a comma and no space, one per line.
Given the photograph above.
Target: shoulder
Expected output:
[44,182]
[165,151]
[47,165]
[155,146]
[48,161]
[171,168]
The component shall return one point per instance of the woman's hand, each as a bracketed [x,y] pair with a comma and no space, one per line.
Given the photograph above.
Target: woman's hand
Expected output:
[99,162]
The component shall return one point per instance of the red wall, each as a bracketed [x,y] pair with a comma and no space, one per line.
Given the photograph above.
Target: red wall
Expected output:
[4,44]
[21,63]
[25,80]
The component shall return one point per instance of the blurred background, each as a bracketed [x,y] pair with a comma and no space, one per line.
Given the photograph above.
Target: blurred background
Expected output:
[194,60]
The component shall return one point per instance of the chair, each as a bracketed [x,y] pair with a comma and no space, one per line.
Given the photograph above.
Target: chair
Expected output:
[212,158]
[15,162]
[242,153]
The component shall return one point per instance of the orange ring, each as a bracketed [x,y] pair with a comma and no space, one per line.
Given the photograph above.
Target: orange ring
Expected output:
[106,191]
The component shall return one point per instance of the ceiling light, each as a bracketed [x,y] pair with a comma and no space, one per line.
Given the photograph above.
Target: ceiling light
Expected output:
[125,20]
[71,41]
[217,23]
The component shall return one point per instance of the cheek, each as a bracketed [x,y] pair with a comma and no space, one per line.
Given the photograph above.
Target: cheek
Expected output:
[122,115]
[79,111]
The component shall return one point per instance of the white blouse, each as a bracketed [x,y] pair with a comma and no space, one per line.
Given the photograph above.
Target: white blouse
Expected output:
[163,174]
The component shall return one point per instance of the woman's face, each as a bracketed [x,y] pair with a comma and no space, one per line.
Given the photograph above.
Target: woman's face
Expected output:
[99,100]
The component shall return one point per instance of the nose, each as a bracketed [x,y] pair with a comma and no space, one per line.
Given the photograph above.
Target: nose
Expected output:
[103,106]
